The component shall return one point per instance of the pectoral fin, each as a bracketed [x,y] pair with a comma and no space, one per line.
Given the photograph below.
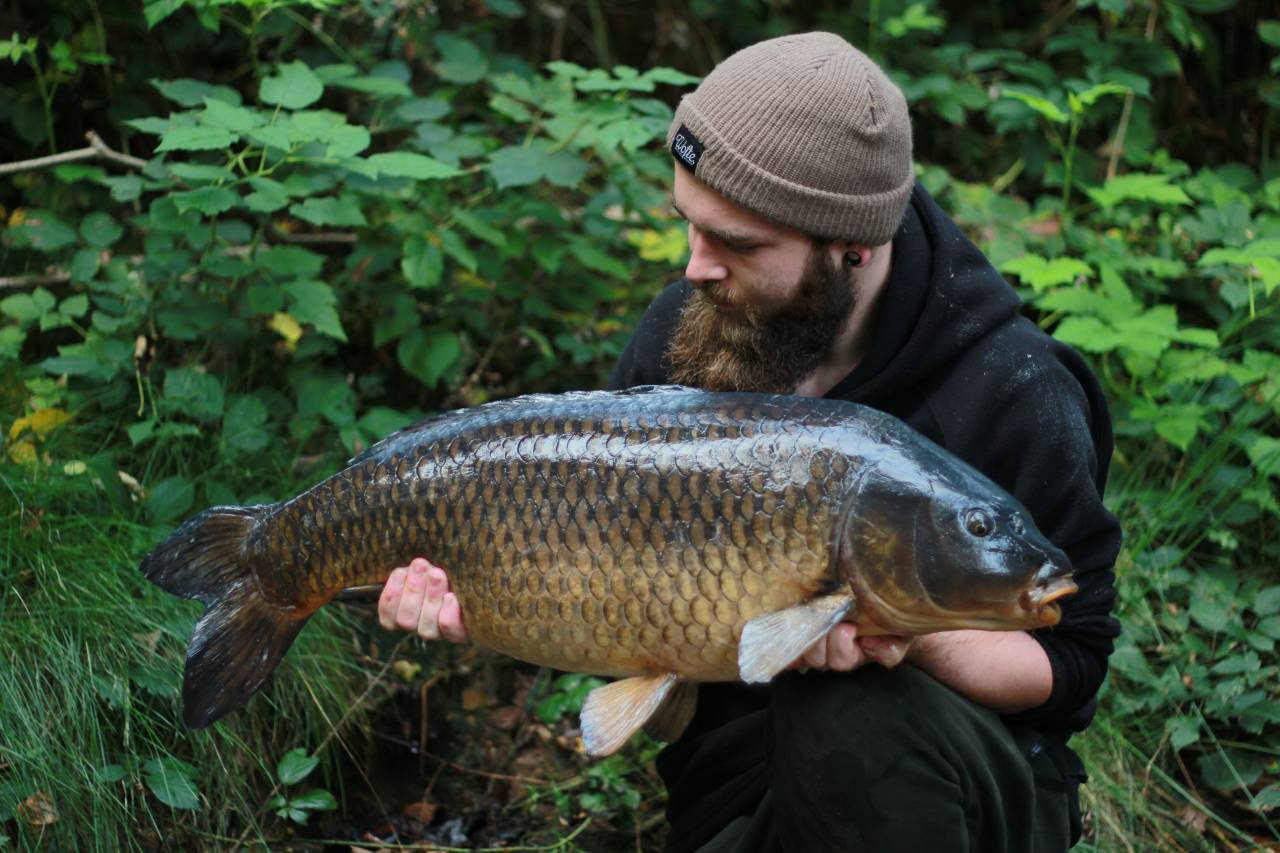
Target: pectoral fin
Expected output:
[673,716]
[613,713]
[771,642]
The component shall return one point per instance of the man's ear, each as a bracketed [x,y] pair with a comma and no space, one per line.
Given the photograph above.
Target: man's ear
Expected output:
[851,255]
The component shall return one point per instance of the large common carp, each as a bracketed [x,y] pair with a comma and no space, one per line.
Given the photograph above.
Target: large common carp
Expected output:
[661,535]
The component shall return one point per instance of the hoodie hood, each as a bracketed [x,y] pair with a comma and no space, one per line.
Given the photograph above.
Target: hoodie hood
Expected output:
[942,298]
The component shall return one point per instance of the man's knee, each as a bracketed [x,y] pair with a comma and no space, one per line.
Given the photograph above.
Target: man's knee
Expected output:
[869,708]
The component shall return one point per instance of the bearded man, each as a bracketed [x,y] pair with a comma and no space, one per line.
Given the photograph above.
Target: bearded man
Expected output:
[818,266]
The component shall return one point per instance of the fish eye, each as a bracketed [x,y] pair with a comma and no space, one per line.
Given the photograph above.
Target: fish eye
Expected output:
[979,523]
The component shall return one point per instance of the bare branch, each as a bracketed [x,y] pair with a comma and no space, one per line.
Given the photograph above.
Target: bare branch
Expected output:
[15,281]
[96,149]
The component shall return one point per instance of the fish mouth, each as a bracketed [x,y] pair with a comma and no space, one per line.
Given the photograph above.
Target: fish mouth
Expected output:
[1041,599]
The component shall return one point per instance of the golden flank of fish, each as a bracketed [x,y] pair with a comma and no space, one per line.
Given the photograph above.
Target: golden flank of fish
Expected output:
[663,536]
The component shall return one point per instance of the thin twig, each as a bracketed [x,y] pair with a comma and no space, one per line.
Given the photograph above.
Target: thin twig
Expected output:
[420,845]
[1117,147]
[96,149]
[58,276]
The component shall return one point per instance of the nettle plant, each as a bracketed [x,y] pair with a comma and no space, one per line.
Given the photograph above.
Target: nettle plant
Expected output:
[279,263]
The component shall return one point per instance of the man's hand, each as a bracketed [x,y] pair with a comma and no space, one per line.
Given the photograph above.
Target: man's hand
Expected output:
[843,650]
[417,598]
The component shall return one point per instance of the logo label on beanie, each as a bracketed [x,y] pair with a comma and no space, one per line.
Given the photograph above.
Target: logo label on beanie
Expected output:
[686,148]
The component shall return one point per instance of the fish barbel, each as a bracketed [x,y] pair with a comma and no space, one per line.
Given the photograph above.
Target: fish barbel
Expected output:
[661,535]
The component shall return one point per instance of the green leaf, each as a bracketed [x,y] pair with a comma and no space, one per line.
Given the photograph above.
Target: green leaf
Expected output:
[157,10]
[1183,731]
[421,262]
[326,395]
[109,773]
[290,261]
[597,259]
[1267,601]
[242,427]
[193,93]
[100,230]
[455,247]
[343,211]
[1269,31]
[295,766]
[314,800]
[170,499]
[423,109]
[1090,96]
[406,164]
[1089,334]
[1041,105]
[505,8]
[460,60]
[1230,769]
[1263,452]
[429,353]
[480,228]
[43,231]
[1041,273]
[75,306]
[193,393]
[1212,614]
[516,166]
[25,307]
[1153,188]
[124,188]
[200,173]
[84,265]
[172,783]
[314,302]
[220,114]
[1269,797]
[379,87]
[671,77]
[293,87]
[157,680]
[267,195]
[209,201]
[195,139]
[563,169]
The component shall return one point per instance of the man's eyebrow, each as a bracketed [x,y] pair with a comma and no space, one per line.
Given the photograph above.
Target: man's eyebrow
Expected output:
[733,238]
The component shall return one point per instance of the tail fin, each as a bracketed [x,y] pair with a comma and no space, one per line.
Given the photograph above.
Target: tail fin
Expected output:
[241,637]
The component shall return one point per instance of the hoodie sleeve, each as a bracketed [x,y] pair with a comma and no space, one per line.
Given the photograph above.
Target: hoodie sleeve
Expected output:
[644,362]
[1036,422]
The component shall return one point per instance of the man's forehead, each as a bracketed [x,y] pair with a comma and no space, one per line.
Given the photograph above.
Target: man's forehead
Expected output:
[708,209]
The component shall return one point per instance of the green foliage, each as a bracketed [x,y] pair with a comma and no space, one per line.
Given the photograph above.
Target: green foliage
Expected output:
[373,212]
[295,766]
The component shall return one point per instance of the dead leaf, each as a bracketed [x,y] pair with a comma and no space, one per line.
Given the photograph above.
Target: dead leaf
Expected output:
[148,641]
[38,810]
[421,811]
[505,719]
[474,697]
[1193,818]
[136,492]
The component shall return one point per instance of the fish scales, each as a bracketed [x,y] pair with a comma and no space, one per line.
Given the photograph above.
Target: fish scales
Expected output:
[569,541]
[662,535]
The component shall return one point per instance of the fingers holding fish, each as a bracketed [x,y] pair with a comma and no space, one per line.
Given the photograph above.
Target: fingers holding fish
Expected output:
[389,600]
[888,650]
[838,650]
[450,620]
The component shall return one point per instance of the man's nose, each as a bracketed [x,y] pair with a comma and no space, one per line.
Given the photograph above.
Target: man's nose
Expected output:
[704,265]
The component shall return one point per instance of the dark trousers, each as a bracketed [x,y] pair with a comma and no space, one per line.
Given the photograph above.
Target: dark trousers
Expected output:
[874,760]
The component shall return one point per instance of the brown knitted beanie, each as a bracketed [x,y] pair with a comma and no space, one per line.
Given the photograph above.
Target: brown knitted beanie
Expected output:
[805,130]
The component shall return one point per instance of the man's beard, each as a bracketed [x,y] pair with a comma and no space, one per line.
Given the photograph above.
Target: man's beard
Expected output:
[756,350]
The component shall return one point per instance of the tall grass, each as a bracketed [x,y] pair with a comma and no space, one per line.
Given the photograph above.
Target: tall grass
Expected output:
[90,676]
[1141,795]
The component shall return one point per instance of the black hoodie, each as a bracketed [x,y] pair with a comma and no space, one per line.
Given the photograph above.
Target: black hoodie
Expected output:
[950,355]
